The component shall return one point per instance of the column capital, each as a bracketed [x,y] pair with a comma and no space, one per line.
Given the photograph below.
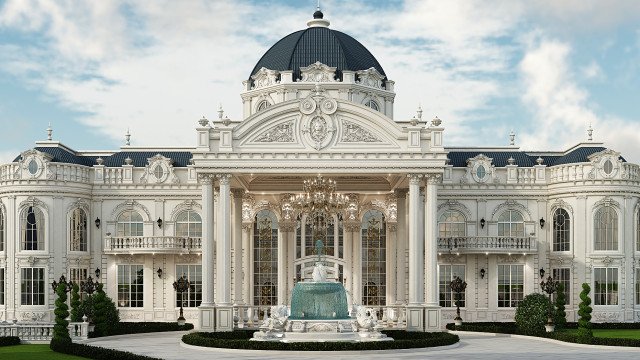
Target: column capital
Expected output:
[352,226]
[224,179]
[433,179]
[414,179]
[392,226]
[401,193]
[247,226]
[287,226]
[237,193]
[206,179]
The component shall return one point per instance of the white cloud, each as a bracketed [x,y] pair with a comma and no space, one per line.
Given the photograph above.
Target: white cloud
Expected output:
[561,108]
[592,71]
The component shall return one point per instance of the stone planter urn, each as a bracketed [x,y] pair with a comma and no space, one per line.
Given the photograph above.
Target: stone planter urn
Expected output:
[549,327]
[457,322]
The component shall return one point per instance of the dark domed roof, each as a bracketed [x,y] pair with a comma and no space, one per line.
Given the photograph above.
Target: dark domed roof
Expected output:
[305,47]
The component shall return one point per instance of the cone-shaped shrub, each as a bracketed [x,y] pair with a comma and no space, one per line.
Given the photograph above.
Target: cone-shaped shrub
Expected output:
[76,316]
[585,335]
[560,319]
[105,314]
[60,329]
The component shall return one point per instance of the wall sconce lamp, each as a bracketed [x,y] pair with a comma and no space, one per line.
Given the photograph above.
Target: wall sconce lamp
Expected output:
[159,273]
[542,222]
[482,273]
[542,273]
[159,221]
[97,222]
[97,273]
[482,222]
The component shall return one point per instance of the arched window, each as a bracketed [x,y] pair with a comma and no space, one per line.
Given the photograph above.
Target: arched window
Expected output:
[265,258]
[511,223]
[319,226]
[605,226]
[262,105]
[129,224]
[188,224]
[1,229]
[32,220]
[78,230]
[452,224]
[561,230]
[372,104]
[374,268]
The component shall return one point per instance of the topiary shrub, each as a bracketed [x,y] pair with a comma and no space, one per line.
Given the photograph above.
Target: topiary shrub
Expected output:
[585,335]
[560,318]
[76,315]
[531,314]
[60,329]
[105,314]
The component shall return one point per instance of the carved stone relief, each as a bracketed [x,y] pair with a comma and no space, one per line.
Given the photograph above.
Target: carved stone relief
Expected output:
[352,132]
[264,77]
[282,133]
[318,72]
[159,170]
[370,77]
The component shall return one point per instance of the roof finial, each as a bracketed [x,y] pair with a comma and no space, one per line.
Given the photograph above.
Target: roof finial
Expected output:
[49,132]
[590,133]
[419,112]
[318,18]
[220,111]
[512,138]
[127,138]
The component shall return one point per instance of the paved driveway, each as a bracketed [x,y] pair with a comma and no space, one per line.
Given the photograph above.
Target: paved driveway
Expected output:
[471,346]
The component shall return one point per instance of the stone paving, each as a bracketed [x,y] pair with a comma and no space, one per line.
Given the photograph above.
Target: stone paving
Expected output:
[471,346]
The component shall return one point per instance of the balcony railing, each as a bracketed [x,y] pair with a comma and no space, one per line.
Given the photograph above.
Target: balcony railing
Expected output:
[151,244]
[488,244]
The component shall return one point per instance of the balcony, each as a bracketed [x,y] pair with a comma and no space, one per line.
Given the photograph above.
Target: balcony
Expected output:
[152,245]
[488,244]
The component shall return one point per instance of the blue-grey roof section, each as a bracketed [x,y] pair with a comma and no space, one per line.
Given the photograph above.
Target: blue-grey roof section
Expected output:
[305,47]
[139,158]
[524,159]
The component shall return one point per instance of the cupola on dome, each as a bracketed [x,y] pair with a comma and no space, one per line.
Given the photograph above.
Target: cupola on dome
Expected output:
[318,43]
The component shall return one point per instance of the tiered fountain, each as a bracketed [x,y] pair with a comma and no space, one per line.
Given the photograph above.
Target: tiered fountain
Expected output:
[319,310]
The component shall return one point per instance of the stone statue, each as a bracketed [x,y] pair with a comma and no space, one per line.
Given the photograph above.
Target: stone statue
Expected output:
[364,318]
[277,320]
[319,271]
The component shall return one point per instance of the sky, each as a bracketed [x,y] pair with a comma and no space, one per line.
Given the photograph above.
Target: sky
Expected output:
[546,69]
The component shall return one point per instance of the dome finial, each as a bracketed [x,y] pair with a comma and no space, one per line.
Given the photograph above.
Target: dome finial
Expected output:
[318,18]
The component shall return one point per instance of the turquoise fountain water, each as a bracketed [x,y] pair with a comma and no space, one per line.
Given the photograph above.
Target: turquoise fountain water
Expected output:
[319,299]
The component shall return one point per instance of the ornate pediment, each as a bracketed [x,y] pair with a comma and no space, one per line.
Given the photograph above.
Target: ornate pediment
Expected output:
[607,162]
[32,164]
[480,169]
[370,77]
[608,153]
[264,77]
[318,72]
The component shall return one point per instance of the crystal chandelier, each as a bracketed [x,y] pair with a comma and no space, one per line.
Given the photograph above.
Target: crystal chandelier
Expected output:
[319,197]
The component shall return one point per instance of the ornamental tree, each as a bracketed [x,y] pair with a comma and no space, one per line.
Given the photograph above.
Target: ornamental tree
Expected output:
[60,329]
[76,315]
[585,335]
[560,314]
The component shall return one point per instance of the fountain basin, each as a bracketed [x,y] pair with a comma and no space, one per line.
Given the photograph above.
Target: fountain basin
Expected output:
[319,301]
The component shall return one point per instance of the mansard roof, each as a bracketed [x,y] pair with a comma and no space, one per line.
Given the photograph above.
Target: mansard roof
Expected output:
[139,158]
[577,154]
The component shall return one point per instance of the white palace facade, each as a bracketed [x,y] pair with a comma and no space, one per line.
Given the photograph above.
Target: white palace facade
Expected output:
[419,212]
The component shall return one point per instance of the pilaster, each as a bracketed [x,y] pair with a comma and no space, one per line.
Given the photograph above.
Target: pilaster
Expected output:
[237,245]
[206,309]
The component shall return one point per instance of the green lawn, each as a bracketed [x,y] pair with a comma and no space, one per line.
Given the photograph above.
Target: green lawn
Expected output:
[32,352]
[613,333]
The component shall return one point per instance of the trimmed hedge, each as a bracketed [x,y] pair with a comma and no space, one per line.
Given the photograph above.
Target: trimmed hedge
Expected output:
[9,340]
[240,340]
[95,352]
[511,328]
[125,328]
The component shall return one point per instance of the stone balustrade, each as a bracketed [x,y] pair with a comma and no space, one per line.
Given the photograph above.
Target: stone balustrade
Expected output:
[28,332]
[488,244]
[151,244]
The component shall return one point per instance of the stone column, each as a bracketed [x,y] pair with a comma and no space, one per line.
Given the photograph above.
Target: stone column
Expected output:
[237,246]
[415,308]
[206,308]
[285,229]
[348,263]
[356,261]
[246,262]
[401,238]
[224,310]
[432,321]
[392,285]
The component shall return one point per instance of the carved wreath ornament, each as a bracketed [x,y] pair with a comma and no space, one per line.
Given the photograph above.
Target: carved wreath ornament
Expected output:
[318,126]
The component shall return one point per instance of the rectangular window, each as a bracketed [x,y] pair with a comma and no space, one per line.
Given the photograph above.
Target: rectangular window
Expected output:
[192,297]
[605,286]
[32,287]
[446,275]
[563,275]
[510,285]
[130,286]
[2,287]
[78,276]
[637,286]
